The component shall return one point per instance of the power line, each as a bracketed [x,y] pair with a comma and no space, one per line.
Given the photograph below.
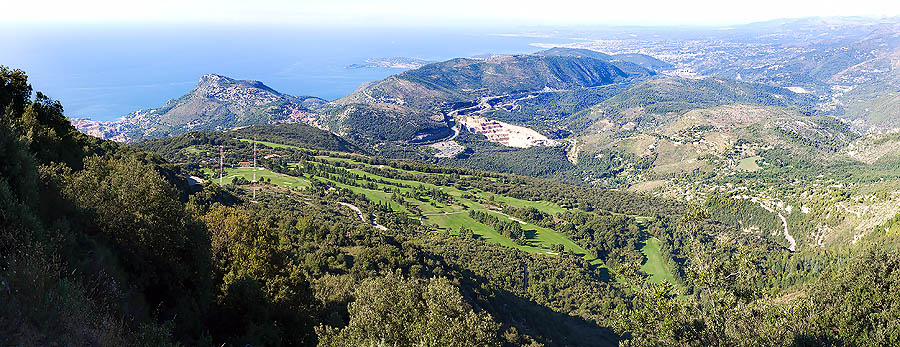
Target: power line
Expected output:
[254,167]
[221,159]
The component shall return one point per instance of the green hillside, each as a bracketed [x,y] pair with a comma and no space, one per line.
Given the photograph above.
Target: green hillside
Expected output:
[652,102]
[464,80]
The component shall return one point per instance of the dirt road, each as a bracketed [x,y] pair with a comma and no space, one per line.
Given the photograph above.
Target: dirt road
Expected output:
[362,216]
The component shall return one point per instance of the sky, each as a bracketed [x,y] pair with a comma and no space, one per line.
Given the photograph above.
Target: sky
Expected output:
[446,13]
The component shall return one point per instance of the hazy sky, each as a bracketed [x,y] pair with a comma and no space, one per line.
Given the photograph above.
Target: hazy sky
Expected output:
[437,13]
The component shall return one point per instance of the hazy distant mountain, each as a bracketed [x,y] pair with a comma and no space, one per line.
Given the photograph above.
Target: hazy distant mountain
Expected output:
[216,103]
[623,61]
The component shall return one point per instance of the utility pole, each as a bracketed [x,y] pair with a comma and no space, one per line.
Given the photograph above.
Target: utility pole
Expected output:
[221,159]
[254,167]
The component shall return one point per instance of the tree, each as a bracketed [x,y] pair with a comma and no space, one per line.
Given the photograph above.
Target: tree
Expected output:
[392,310]
[162,248]
[264,298]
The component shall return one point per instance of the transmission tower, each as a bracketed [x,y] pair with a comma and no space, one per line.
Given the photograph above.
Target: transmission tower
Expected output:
[254,167]
[221,159]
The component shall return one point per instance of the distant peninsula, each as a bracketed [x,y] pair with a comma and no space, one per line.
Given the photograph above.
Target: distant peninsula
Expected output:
[394,63]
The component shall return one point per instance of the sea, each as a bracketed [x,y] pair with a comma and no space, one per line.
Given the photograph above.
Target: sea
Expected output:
[103,72]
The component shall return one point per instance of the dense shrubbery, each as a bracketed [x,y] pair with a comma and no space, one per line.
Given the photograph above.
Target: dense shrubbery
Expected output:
[852,304]
[395,311]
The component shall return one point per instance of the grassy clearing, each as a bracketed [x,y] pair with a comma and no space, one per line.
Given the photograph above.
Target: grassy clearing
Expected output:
[395,181]
[541,239]
[455,221]
[546,238]
[655,266]
[370,194]
[337,159]
[749,164]
[193,150]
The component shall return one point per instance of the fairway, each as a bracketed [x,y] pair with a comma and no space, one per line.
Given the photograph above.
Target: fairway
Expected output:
[541,239]
[544,206]
[655,266]
[270,144]
[370,194]
[193,150]
[247,172]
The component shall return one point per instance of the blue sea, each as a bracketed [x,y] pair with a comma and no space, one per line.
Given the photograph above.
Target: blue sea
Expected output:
[104,72]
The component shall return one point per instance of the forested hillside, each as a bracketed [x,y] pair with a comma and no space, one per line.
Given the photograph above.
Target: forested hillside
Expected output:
[465,80]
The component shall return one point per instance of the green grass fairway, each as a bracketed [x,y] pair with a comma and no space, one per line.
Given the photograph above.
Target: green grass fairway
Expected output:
[655,266]
[545,206]
[453,222]
[371,195]
[193,150]
[335,159]
[542,239]
[270,144]
[749,164]
[247,172]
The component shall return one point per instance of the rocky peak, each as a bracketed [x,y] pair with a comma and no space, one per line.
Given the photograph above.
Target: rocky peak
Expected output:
[212,79]
[214,85]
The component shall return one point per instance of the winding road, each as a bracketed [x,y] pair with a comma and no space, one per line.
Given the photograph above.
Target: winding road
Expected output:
[787,235]
[362,216]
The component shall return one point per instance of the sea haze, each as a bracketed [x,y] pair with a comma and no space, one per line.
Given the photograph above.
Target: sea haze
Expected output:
[104,72]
